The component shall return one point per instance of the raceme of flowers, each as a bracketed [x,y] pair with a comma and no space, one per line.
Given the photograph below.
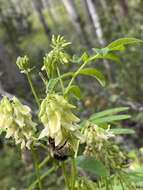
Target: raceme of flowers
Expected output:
[56,56]
[99,144]
[59,121]
[16,121]
[96,136]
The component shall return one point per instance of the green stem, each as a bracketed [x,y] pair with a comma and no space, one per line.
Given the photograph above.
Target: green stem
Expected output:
[74,76]
[33,89]
[65,175]
[32,186]
[36,167]
[43,146]
[74,174]
[44,162]
[61,82]
[77,72]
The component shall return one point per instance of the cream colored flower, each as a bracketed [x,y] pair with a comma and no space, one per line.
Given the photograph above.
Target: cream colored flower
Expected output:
[58,119]
[99,143]
[16,121]
[96,137]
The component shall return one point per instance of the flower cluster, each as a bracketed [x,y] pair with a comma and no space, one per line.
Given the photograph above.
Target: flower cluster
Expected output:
[16,121]
[56,56]
[99,143]
[58,120]
[96,137]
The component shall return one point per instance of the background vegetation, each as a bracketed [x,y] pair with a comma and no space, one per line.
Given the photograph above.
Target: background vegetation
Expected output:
[26,27]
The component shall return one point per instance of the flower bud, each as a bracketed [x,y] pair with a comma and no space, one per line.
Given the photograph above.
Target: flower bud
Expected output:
[23,63]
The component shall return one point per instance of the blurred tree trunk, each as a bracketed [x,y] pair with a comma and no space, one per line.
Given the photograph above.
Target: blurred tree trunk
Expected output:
[10,76]
[75,19]
[20,14]
[50,5]
[95,20]
[7,23]
[124,5]
[91,8]
[84,4]
[105,9]
[39,6]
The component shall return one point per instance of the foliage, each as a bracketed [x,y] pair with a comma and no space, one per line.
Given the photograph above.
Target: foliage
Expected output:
[60,133]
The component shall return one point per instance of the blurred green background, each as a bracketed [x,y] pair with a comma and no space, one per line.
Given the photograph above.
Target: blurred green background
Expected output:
[26,28]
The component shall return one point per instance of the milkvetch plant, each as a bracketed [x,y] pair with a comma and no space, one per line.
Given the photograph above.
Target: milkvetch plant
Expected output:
[62,130]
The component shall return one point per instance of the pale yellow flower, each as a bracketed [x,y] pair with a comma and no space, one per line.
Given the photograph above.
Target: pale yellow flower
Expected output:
[16,121]
[58,119]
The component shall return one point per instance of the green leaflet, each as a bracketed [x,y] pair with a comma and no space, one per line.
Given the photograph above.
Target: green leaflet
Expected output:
[108,112]
[90,164]
[109,119]
[117,45]
[75,90]
[122,131]
[95,73]
[120,43]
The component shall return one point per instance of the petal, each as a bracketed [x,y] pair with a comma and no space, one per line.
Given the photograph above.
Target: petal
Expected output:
[22,144]
[69,116]
[55,124]
[44,133]
[58,138]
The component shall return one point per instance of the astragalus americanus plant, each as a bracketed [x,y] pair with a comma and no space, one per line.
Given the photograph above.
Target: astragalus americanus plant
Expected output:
[100,164]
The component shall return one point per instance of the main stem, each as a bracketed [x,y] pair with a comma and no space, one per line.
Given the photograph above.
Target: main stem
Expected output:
[74,174]
[35,157]
[65,175]
[36,165]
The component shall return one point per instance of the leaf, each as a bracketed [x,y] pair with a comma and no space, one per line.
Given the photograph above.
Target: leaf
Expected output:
[117,45]
[109,112]
[120,43]
[84,57]
[137,176]
[112,57]
[51,84]
[108,55]
[68,74]
[122,131]
[109,119]
[75,59]
[95,73]
[75,90]
[90,164]
[102,51]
